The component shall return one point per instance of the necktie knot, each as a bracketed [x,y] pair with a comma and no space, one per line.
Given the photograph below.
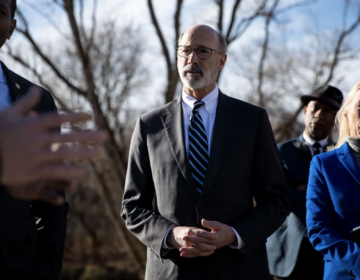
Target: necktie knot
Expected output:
[197,105]
[316,147]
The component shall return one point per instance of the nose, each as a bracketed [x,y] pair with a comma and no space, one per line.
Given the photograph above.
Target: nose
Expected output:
[192,58]
[320,113]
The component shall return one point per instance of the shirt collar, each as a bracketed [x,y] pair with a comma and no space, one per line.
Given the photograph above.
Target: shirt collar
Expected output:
[210,100]
[2,76]
[309,141]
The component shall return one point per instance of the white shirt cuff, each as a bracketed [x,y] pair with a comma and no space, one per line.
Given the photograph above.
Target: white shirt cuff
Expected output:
[240,242]
[164,244]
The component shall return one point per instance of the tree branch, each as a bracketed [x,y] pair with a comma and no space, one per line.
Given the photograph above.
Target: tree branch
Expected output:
[94,26]
[264,53]
[245,23]
[232,20]
[161,38]
[220,3]
[45,58]
[177,23]
[49,19]
[295,5]
[340,41]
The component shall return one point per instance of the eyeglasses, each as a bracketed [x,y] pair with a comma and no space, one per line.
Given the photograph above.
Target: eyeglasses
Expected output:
[202,53]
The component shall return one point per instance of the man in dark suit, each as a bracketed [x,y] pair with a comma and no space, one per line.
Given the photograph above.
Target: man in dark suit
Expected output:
[290,253]
[32,233]
[203,157]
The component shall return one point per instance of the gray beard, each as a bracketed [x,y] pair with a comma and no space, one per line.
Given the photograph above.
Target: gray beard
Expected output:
[202,81]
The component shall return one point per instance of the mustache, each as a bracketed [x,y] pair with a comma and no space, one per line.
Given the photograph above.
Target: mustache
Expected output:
[195,68]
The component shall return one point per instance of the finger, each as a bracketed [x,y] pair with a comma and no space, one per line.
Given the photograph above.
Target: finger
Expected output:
[195,239]
[194,252]
[80,137]
[204,246]
[26,103]
[211,224]
[51,196]
[59,171]
[62,185]
[26,191]
[190,250]
[70,153]
[207,235]
[54,120]
[188,255]
[32,113]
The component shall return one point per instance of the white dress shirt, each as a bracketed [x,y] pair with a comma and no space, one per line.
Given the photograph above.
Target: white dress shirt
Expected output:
[208,114]
[5,97]
[310,142]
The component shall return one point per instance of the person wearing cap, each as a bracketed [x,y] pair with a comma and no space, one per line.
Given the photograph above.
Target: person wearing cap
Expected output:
[290,253]
[332,199]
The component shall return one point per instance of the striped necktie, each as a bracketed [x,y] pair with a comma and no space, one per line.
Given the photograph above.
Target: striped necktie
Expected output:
[198,147]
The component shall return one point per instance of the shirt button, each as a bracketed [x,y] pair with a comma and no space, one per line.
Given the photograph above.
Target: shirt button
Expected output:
[199,205]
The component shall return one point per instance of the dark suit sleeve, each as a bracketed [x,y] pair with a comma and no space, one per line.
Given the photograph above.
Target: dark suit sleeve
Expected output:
[319,219]
[298,198]
[39,246]
[270,191]
[52,224]
[137,210]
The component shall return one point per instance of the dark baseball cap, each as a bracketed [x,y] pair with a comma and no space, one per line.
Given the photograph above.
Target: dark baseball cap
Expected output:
[326,93]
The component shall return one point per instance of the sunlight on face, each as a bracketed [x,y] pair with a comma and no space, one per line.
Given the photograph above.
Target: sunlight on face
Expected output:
[353,116]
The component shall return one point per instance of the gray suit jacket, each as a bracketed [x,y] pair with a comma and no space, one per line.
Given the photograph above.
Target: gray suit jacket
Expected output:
[283,246]
[244,163]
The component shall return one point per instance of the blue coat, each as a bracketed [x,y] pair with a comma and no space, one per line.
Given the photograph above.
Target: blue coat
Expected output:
[333,210]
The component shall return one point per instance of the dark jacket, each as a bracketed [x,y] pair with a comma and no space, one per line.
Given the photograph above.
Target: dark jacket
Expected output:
[244,163]
[32,233]
[284,245]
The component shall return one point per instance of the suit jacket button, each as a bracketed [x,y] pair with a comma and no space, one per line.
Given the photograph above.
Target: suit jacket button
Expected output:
[199,205]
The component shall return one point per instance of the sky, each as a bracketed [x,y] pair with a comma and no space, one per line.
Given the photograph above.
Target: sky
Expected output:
[324,15]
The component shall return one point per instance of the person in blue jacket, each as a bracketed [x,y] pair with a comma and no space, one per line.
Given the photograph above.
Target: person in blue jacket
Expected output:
[333,196]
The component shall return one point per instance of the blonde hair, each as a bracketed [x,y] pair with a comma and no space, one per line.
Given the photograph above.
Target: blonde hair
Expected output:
[341,122]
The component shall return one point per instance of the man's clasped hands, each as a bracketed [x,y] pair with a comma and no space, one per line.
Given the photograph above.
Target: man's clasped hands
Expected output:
[195,242]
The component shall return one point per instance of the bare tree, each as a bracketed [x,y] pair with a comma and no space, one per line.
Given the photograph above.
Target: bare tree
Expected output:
[282,75]
[321,65]
[98,65]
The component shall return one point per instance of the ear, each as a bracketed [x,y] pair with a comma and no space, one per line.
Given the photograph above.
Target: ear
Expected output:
[223,59]
[305,110]
[11,29]
[346,116]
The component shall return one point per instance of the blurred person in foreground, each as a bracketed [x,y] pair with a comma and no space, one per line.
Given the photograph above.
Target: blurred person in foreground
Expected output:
[33,176]
[332,200]
[290,253]
[202,158]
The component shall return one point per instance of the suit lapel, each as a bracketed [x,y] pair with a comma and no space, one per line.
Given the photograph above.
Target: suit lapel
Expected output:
[174,126]
[348,160]
[304,151]
[14,87]
[225,122]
